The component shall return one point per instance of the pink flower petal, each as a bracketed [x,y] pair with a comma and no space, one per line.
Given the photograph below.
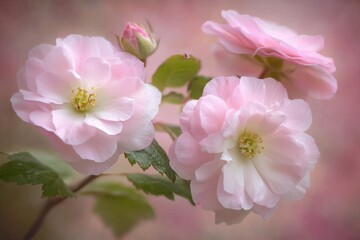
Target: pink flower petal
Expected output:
[264,212]
[40,51]
[95,72]
[275,91]
[89,167]
[121,70]
[185,156]
[70,126]
[251,88]
[108,127]
[278,171]
[230,38]
[83,48]
[42,119]
[146,101]
[314,80]
[58,62]
[298,114]
[208,117]
[33,68]
[137,134]
[204,193]
[24,108]
[119,109]
[256,188]
[231,188]
[53,87]
[98,148]
[221,87]
[299,191]
[186,115]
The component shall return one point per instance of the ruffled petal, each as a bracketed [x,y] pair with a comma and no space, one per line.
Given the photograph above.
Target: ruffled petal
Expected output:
[98,148]
[133,138]
[185,156]
[299,191]
[315,81]
[70,126]
[95,72]
[275,91]
[208,117]
[231,188]
[108,127]
[53,88]
[58,62]
[186,115]
[221,87]
[204,193]
[118,109]
[297,112]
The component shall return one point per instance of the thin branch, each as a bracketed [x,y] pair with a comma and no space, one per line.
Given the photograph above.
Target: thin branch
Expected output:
[51,203]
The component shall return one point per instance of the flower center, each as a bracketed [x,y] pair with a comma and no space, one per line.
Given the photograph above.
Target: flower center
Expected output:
[250,144]
[82,100]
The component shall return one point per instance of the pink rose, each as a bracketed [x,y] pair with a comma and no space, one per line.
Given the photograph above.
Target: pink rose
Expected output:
[89,99]
[284,54]
[244,148]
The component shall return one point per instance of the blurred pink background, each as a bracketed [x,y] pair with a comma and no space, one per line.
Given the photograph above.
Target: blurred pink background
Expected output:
[331,207]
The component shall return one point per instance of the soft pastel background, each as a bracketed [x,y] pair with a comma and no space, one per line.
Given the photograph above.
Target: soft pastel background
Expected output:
[331,207]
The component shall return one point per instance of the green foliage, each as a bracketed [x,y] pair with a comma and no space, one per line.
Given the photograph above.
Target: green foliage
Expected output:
[173,97]
[196,86]
[25,169]
[157,185]
[120,207]
[173,130]
[154,156]
[176,71]
[57,164]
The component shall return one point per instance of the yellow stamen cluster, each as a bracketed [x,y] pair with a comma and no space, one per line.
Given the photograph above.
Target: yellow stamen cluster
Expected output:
[82,100]
[250,144]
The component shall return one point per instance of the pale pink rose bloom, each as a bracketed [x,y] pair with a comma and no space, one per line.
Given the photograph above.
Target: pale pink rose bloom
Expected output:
[89,99]
[244,148]
[304,67]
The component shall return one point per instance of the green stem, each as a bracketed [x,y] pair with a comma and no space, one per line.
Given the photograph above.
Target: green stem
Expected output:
[50,204]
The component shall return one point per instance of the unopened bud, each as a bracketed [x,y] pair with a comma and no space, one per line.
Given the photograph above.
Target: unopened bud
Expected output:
[138,40]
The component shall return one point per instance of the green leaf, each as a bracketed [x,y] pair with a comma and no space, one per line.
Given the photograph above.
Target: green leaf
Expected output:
[120,207]
[175,71]
[154,156]
[53,161]
[197,85]
[173,97]
[156,185]
[25,169]
[173,130]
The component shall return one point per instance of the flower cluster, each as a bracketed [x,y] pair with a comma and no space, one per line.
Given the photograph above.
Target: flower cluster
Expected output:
[243,144]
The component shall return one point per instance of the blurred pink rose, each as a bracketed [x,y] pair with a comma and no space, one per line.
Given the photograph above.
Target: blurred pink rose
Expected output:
[138,40]
[244,148]
[284,54]
[89,99]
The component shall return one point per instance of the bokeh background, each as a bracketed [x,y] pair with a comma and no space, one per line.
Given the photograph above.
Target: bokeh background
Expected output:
[331,207]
